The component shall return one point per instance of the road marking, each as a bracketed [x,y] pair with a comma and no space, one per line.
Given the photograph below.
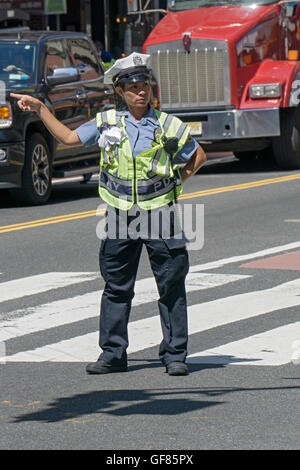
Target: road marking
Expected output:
[32,285]
[233,259]
[288,261]
[238,187]
[82,307]
[48,221]
[146,333]
[202,193]
[271,348]
[239,258]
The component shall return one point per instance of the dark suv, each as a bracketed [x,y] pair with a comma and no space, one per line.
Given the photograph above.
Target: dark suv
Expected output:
[63,71]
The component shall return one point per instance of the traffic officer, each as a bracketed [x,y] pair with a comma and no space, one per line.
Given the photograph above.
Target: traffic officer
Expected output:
[138,176]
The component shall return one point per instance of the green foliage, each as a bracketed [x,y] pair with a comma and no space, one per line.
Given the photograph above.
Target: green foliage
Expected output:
[107,65]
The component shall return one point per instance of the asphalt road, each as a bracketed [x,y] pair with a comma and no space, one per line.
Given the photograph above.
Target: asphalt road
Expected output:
[243,293]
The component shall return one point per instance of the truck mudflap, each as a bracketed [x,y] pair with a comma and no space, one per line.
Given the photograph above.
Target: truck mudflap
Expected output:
[233,124]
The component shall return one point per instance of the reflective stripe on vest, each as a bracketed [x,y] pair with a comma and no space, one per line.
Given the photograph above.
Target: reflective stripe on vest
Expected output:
[147,180]
[166,125]
[156,186]
[179,134]
[117,186]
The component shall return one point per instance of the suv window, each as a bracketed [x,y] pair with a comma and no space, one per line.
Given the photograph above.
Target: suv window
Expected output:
[56,57]
[17,61]
[83,58]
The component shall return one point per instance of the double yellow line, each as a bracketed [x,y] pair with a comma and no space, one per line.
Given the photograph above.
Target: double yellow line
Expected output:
[50,220]
[93,213]
[238,187]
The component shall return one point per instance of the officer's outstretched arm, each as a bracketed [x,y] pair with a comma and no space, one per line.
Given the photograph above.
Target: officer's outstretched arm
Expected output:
[195,162]
[61,132]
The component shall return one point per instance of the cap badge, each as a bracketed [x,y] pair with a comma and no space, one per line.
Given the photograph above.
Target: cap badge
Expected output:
[137,60]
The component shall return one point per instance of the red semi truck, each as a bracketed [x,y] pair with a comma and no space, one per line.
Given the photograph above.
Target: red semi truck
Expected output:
[231,69]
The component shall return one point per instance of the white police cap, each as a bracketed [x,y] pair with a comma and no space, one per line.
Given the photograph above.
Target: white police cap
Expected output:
[134,68]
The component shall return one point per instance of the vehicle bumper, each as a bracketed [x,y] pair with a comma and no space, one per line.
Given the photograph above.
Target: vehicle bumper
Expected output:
[234,124]
[11,167]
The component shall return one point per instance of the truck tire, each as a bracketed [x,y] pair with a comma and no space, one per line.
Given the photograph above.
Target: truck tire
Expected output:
[37,171]
[286,147]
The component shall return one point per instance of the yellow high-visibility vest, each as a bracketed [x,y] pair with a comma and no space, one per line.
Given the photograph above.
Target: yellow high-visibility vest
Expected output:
[147,180]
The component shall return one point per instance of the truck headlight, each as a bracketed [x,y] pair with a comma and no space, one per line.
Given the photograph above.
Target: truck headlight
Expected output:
[266,90]
[5,116]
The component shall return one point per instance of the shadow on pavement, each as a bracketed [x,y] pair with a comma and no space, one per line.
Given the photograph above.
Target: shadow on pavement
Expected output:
[176,398]
[230,164]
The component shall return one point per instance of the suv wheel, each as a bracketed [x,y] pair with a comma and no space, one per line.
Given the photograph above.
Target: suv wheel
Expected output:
[37,171]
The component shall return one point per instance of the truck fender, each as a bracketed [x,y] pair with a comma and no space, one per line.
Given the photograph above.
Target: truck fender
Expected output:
[285,72]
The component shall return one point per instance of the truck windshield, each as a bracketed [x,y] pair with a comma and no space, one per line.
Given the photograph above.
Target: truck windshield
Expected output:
[178,5]
[17,64]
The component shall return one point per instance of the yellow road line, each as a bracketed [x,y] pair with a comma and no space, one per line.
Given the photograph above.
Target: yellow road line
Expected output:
[40,224]
[93,213]
[50,220]
[237,187]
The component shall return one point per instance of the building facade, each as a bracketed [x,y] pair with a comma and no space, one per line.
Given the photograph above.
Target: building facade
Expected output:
[105,20]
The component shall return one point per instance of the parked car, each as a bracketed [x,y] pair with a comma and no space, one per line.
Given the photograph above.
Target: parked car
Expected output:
[63,70]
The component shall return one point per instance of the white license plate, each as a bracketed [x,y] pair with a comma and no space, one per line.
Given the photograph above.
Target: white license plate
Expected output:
[195,128]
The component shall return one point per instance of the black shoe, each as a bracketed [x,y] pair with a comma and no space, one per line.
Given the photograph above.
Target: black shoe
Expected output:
[177,368]
[104,367]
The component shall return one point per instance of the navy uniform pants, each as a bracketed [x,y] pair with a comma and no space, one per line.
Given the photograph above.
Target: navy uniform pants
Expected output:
[119,259]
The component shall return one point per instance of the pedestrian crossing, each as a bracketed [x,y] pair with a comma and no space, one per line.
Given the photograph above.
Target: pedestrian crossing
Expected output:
[31,285]
[268,348]
[82,307]
[271,348]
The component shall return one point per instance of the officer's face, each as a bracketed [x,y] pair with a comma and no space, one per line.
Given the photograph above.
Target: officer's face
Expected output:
[136,94]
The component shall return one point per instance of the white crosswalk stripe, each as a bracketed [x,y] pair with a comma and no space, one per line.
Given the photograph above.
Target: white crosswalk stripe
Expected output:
[271,347]
[32,285]
[146,333]
[85,306]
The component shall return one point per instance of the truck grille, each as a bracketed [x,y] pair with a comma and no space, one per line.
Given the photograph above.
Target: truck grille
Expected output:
[197,79]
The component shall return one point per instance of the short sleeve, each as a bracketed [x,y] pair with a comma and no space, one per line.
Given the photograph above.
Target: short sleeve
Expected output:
[187,150]
[88,133]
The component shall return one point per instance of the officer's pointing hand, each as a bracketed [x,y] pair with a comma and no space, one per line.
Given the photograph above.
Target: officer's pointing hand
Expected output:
[26,102]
